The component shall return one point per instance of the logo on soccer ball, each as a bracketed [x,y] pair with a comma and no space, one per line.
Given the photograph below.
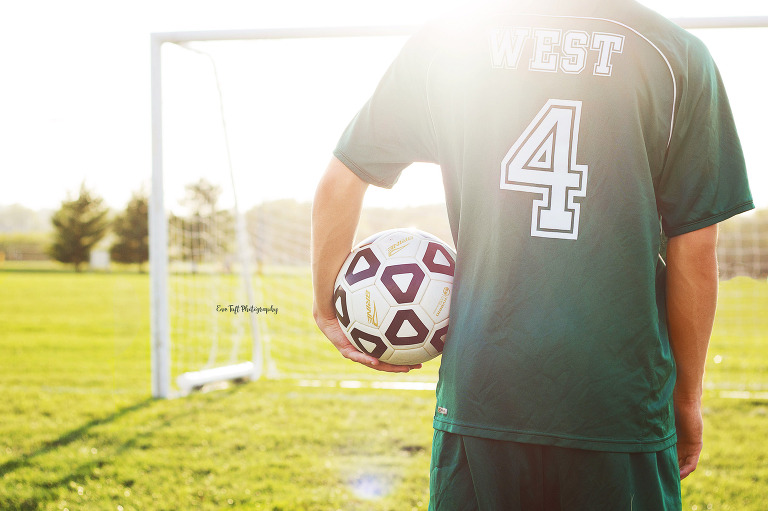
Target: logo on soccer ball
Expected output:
[400,245]
[373,318]
[392,296]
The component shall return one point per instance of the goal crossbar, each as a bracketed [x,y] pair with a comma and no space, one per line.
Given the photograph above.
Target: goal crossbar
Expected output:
[373,31]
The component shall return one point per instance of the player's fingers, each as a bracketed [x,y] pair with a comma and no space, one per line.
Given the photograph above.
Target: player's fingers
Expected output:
[374,363]
[354,355]
[687,465]
[382,366]
[686,470]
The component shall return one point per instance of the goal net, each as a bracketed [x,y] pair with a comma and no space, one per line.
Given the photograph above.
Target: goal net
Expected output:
[244,125]
[247,128]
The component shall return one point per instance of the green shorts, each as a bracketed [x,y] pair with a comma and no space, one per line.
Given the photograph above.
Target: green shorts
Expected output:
[470,473]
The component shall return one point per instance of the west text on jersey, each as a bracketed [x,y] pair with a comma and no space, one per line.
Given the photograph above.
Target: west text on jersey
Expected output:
[551,50]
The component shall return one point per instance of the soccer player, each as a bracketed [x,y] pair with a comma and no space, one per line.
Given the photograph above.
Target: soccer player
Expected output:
[570,134]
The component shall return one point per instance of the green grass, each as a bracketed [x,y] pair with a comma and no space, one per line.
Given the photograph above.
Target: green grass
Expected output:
[79,431]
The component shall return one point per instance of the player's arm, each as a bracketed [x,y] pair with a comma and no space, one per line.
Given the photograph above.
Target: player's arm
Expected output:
[691,302]
[335,215]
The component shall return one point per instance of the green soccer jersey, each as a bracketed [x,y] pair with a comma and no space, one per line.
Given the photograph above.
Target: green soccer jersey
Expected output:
[567,140]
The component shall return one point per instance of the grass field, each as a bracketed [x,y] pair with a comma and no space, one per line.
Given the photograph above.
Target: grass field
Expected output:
[79,431]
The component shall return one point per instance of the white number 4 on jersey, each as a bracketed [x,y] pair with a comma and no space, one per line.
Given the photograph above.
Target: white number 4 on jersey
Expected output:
[543,161]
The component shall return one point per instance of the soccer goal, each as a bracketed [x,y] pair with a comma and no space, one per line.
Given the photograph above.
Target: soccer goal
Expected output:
[237,149]
[244,123]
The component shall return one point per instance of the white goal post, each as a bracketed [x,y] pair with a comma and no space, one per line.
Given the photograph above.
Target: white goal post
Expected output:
[159,218]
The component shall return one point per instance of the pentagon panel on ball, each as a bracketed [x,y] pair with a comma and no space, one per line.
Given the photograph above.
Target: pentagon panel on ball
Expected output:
[393,295]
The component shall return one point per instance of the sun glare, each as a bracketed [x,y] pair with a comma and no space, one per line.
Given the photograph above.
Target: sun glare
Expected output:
[370,487]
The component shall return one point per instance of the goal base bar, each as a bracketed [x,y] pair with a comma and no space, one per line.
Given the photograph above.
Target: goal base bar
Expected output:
[187,382]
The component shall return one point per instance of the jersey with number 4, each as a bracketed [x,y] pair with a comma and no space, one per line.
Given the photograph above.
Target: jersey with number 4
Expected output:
[567,141]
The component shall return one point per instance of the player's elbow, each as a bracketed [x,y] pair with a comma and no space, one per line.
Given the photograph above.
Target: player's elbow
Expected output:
[695,249]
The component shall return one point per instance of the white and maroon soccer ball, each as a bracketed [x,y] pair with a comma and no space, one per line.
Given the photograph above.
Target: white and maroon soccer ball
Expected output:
[392,296]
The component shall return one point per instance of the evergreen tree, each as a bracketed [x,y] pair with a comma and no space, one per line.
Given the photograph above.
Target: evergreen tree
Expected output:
[206,229]
[78,226]
[132,231]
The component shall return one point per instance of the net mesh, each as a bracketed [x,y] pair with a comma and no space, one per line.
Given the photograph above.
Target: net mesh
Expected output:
[735,361]
[205,288]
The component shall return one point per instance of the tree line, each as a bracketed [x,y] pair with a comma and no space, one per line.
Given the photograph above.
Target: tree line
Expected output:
[81,223]
[278,232]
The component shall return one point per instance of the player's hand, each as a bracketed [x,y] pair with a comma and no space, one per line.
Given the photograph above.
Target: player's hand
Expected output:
[331,329]
[690,431]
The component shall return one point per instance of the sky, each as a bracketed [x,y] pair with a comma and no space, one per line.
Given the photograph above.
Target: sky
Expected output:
[75,94]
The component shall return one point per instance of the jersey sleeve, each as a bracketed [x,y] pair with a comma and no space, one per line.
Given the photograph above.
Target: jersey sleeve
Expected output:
[704,180]
[394,128]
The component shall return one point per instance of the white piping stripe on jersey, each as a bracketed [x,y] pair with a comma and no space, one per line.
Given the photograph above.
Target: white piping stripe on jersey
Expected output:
[669,66]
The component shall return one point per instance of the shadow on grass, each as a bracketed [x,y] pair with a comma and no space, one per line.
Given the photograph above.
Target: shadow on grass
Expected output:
[49,481]
[71,436]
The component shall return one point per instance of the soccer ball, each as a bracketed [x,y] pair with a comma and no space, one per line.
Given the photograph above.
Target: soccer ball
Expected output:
[392,296]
